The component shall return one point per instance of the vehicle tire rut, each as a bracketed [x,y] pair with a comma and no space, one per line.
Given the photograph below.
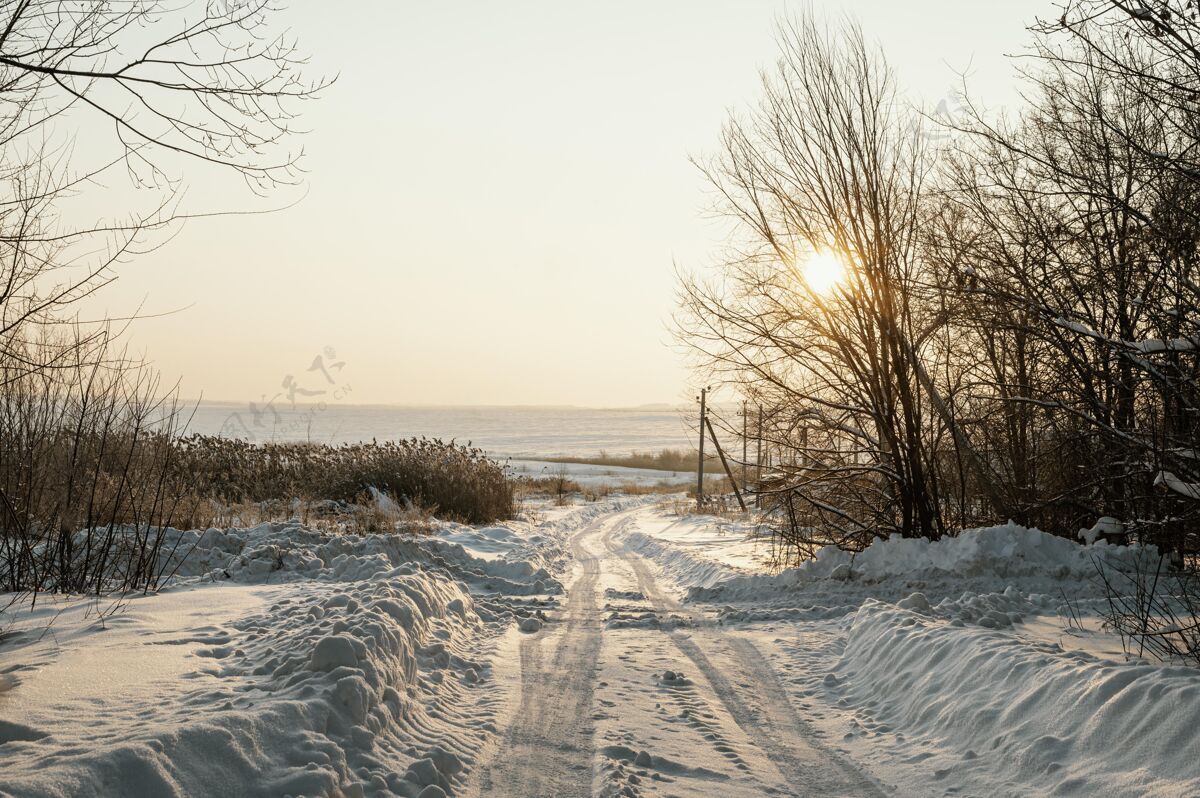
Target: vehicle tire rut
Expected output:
[758,703]
[547,751]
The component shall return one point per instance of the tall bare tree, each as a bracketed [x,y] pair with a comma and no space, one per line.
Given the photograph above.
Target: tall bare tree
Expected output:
[1079,238]
[831,163]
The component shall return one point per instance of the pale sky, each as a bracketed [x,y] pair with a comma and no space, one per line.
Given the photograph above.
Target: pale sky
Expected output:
[497,194]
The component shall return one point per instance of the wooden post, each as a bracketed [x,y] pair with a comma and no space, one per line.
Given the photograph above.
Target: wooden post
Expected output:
[700,461]
[725,464]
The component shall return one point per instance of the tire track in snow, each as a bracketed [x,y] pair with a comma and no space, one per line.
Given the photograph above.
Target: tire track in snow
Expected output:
[758,703]
[547,752]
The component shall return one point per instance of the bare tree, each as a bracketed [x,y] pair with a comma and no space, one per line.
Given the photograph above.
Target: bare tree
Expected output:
[86,435]
[831,161]
[206,83]
[210,81]
[1150,47]
[1015,335]
[1076,241]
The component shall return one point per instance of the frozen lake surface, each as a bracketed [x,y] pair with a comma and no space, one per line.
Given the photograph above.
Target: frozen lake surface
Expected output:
[519,432]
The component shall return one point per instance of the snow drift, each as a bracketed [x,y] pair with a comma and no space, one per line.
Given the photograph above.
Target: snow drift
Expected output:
[939,672]
[315,695]
[989,558]
[499,560]
[1029,716]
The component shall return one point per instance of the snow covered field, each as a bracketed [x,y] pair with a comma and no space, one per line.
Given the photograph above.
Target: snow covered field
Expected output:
[601,649]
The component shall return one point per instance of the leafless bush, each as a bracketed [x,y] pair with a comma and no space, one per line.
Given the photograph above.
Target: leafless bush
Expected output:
[87,472]
[453,481]
[94,468]
[561,485]
[1154,608]
[545,487]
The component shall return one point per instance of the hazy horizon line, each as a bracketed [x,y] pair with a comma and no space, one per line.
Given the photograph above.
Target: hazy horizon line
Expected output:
[440,405]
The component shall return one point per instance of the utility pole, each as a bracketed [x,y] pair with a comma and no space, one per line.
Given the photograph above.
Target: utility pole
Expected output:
[745,484]
[700,462]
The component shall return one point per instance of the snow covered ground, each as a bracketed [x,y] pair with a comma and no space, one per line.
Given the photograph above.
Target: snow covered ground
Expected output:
[283,662]
[950,668]
[602,649]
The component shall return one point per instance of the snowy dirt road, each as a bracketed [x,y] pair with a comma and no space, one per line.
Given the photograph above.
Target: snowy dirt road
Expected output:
[628,692]
[548,748]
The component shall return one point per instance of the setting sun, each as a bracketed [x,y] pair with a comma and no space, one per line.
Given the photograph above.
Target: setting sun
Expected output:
[823,271]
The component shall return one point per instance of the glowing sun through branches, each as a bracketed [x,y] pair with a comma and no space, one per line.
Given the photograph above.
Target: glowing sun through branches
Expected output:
[822,271]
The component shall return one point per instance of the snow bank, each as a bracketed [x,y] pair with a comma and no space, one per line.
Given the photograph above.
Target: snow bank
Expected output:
[682,566]
[920,654]
[1002,551]
[318,695]
[1029,717]
[499,559]
[991,558]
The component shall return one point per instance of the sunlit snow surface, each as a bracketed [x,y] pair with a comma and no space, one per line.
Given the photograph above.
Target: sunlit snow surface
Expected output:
[950,668]
[284,661]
